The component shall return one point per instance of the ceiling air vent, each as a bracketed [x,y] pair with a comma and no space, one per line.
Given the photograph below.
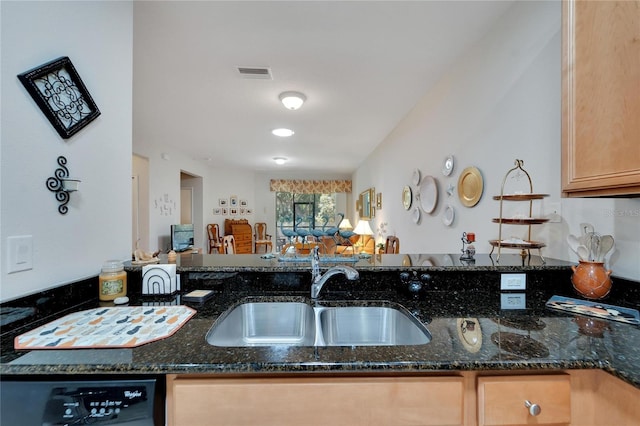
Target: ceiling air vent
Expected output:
[255,72]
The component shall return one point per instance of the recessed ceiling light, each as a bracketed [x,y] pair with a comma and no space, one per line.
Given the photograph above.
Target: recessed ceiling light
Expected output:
[280,160]
[283,132]
[292,100]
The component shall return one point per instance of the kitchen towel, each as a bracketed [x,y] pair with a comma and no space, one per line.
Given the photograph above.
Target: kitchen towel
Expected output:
[160,279]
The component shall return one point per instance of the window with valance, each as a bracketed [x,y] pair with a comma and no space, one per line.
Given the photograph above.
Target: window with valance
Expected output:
[298,186]
[306,207]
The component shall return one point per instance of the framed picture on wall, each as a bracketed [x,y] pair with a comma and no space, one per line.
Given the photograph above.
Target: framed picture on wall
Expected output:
[233,211]
[233,201]
[223,202]
[217,210]
[243,203]
[249,211]
[243,210]
[61,95]
[225,211]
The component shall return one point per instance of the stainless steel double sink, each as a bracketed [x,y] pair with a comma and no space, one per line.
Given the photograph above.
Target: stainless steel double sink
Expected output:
[301,324]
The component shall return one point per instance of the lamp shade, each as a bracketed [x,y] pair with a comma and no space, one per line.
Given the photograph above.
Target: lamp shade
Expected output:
[363,228]
[345,224]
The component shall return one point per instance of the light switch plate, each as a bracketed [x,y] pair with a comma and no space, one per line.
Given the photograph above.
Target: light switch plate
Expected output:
[513,281]
[513,301]
[19,253]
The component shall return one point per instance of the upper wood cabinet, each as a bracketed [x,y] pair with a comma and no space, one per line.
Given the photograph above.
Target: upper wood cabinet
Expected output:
[601,98]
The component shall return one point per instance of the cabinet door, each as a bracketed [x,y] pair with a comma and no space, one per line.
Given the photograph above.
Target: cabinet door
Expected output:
[601,101]
[315,401]
[502,400]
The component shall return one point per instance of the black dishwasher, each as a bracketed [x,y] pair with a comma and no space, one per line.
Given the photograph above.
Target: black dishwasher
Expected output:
[66,400]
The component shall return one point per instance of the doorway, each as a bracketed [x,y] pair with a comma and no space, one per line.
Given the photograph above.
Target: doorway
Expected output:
[140,203]
[191,206]
[186,206]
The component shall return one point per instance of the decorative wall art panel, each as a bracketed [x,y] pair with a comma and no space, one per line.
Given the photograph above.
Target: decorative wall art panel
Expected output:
[60,93]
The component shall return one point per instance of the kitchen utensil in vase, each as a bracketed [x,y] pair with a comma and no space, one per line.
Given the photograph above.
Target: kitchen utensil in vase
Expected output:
[606,244]
[582,252]
[573,242]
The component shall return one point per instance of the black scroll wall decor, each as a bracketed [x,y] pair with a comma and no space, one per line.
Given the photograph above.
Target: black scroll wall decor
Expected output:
[61,95]
[55,184]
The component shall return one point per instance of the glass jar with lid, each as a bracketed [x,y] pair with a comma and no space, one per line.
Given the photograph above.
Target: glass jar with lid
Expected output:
[112,280]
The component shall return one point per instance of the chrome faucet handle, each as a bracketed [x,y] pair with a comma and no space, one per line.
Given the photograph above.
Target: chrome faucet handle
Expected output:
[315,264]
[319,281]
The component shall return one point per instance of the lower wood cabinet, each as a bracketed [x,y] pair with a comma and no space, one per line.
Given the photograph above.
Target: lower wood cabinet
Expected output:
[524,400]
[469,398]
[310,401]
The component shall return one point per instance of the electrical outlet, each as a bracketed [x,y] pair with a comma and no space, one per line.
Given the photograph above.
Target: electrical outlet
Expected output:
[513,301]
[513,281]
[19,253]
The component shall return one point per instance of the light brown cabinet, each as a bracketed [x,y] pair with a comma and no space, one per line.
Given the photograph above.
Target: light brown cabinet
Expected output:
[523,400]
[308,401]
[601,101]
[469,398]
[242,233]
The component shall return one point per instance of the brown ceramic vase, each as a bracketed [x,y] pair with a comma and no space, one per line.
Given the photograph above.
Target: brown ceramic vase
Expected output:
[591,279]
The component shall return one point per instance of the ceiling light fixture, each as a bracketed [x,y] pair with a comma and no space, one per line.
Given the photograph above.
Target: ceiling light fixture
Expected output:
[292,100]
[284,133]
[280,160]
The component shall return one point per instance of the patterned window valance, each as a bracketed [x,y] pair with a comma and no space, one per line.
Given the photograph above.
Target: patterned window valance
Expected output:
[310,186]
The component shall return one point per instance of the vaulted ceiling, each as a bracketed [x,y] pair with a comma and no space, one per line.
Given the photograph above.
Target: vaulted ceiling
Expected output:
[363,65]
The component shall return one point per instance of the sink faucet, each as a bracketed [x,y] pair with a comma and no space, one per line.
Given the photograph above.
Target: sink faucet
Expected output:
[318,280]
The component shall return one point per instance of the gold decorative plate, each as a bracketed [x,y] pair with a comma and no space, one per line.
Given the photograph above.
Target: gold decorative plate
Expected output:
[470,186]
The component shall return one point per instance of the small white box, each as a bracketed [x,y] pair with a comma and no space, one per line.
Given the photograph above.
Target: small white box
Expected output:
[160,279]
[513,281]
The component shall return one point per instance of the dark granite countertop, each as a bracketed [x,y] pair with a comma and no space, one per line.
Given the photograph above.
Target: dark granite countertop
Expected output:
[378,262]
[546,339]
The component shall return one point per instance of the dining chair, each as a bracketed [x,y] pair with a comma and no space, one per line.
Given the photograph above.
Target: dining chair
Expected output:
[215,242]
[229,244]
[392,245]
[262,238]
[328,245]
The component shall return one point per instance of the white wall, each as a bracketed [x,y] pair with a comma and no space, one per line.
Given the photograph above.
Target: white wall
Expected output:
[217,182]
[97,36]
[500,101]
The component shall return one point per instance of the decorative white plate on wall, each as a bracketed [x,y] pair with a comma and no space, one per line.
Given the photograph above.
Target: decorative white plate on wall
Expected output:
[428,262]
[415,178]
[416,215]
[449,215]
[428,194]
[447,260]
[447,167]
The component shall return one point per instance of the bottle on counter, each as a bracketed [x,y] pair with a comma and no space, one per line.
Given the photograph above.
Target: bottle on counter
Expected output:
[112,280]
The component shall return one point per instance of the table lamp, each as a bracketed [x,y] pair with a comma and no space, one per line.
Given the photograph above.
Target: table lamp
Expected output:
[362,228]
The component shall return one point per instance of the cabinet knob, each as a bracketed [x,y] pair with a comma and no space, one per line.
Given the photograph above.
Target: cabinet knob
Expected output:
[534,409]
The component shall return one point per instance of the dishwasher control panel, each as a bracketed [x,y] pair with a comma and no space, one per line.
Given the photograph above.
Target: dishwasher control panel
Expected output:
[131,402]
[96,405]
